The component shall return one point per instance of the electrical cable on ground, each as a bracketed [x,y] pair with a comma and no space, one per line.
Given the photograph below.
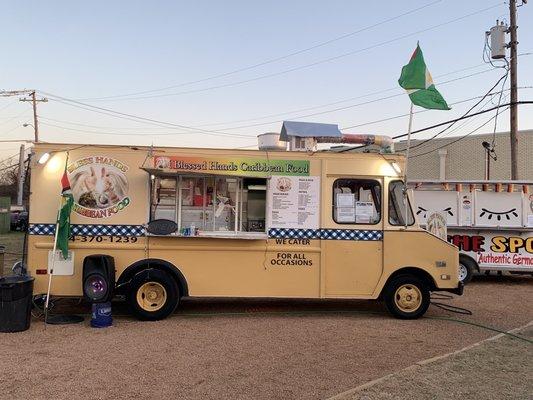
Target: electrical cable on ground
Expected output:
[332,312]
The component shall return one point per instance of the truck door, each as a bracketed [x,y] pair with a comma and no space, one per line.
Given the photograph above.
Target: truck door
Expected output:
[352,235]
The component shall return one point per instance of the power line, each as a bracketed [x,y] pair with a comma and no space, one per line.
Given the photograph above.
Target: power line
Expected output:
[133,134]
[504,77]
[285,113]
[13,129]
[8,105]
[377,121]
[395,88]
[14,117]
[286,71]
[9,158]
[219,132]
[118,114]
[353,105]
[526,102]
[272,60]
[460,126]
[96,126]
[462,137]
[461,118]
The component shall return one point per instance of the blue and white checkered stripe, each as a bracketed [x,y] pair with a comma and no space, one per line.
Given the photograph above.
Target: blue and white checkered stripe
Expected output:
[288,233]
[326,234]
[90,230]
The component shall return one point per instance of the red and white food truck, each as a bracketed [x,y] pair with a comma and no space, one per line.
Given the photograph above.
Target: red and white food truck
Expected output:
[490,221]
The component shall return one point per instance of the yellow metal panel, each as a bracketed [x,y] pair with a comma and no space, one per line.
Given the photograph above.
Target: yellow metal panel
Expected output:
[212,267]
[353,267]
[418,248]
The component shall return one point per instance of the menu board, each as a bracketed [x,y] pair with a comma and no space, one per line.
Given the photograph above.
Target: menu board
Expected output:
[364,211]
[294,202]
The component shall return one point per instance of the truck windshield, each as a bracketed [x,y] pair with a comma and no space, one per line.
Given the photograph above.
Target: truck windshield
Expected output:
[399,204]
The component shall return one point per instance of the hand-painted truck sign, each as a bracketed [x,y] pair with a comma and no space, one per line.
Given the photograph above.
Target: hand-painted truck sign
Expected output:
[232,166]
[99,186]
[496,249]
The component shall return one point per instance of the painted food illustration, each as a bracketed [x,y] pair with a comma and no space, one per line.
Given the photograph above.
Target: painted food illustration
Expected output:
[284,184]
[98,187]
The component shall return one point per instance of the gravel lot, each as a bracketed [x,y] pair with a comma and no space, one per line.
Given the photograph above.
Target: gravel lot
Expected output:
[262,349]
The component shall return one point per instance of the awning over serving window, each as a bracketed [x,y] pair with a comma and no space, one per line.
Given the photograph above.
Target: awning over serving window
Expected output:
[308,129]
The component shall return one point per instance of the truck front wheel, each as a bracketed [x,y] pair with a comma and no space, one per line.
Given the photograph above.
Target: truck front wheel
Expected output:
[406,297]
[153,295]
[467,268]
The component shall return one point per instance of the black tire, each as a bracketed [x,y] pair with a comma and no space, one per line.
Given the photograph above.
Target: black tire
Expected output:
[151,281]
[411,284]
[470,268]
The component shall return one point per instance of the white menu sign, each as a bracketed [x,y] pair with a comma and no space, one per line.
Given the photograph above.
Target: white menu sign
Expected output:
[294,202]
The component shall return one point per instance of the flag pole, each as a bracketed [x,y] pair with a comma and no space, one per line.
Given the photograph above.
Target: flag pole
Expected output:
[51,272]
[54,249]
[409,129]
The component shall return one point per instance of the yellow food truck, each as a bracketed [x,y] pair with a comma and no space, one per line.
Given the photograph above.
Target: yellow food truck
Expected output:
[161,223]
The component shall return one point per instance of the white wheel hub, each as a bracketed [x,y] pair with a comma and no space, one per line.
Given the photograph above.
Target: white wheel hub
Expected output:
[463,272]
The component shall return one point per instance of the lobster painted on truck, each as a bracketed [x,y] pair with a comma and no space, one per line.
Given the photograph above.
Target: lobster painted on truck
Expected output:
[490,222]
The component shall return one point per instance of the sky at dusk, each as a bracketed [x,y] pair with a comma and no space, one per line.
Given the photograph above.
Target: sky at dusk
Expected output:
[223,72]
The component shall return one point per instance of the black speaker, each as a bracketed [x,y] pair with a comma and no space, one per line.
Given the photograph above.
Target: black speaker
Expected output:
[98,278]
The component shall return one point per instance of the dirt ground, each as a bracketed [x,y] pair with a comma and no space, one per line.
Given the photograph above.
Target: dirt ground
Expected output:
[499,369]
[242,349]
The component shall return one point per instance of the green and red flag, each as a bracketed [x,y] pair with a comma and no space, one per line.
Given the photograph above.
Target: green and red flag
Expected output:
[63,217]
[416,80]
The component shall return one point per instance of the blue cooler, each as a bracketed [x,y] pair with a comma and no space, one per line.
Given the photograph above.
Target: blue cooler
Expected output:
[101,315]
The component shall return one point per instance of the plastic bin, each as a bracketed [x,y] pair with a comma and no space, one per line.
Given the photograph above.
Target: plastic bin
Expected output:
[15,303]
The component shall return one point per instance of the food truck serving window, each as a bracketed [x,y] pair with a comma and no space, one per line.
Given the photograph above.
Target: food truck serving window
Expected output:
[210,204]
[356,201]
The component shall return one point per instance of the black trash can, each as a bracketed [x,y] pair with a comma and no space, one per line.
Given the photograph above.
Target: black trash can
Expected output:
[15,303]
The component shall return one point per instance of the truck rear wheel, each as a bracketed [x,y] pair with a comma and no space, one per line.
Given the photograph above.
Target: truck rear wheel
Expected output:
[153,295]
[406,297]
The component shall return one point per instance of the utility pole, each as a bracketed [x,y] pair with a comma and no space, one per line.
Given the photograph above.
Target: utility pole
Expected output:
[514,91]
[20,176]
[34,101]
[33,98]
[513,45]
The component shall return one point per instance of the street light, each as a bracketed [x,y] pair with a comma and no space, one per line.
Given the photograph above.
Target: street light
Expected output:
[489,154]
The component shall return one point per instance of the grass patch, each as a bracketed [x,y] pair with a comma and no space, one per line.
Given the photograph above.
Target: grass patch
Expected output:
[12,241]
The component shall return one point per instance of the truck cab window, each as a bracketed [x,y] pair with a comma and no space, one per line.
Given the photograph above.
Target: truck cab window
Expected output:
[356,201]
[398,204]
